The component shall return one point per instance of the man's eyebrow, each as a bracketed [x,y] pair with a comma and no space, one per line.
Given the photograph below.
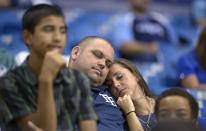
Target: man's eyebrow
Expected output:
[99,51]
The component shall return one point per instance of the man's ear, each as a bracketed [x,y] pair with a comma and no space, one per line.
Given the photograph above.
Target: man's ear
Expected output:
[75,52]
[26,37]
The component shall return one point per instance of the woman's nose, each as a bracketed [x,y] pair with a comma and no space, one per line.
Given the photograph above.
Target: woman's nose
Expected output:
[116,84]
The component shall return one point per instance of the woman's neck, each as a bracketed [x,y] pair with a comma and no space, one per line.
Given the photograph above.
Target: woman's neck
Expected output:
[144,106]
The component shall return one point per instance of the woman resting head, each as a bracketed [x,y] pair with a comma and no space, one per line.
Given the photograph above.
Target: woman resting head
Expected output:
[128,86]
[124,78]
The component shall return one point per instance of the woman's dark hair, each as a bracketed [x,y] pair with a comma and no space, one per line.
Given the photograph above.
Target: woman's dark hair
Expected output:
[179,92]
[128,65]
[34,15]
[201,49]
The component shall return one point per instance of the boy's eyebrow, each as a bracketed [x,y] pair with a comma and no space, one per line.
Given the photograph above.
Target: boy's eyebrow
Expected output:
[181,109]
[52,26]
[46,26]
[65,27]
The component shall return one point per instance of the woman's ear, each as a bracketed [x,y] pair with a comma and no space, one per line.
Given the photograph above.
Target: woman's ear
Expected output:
[75,52]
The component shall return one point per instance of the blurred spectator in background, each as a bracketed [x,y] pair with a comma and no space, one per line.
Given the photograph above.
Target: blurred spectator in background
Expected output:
[199,12]
[6,61]
[8,3]
[191,67]
[22,3]
[35,2]
[176,104]
[138,34]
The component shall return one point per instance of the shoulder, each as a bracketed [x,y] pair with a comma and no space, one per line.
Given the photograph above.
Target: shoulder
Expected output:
[159,18]
[9,79]
[70,72]
[76,77]
[188,57]
[12,73]
[126,18]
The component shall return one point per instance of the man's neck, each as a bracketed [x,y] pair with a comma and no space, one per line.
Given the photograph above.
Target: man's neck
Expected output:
[35,63]
[139,12]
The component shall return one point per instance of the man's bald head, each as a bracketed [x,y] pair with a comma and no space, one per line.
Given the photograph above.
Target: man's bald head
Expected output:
[93,56]
[87,41]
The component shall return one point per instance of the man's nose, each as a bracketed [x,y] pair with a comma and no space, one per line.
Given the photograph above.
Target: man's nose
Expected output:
[101,64]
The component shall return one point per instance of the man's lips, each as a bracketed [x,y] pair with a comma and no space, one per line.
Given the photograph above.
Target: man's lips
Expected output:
[98,71]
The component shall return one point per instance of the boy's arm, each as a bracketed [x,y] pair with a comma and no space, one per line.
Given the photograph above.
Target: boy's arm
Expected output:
[88,125]
[45,116]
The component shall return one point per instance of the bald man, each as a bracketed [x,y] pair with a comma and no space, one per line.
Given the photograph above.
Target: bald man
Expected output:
[94,56]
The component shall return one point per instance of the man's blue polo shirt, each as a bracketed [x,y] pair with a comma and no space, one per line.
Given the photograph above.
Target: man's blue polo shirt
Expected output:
[110,116]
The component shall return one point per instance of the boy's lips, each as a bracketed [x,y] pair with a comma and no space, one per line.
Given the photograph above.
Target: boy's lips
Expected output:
[55,47]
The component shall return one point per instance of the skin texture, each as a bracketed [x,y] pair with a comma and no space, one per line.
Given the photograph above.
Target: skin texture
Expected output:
[100,54]
[174,107]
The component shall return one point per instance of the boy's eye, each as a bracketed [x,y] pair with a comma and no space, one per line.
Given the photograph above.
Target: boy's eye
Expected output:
[48,28]
[63,30]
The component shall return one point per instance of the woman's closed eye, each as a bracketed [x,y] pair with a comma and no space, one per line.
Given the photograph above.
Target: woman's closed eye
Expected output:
[119,76]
